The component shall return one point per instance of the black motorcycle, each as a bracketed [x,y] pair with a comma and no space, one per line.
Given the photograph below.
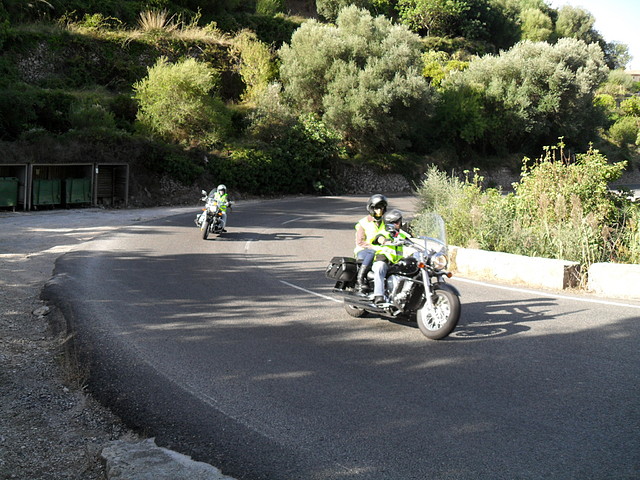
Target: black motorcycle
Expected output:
[415,287]
[210,220]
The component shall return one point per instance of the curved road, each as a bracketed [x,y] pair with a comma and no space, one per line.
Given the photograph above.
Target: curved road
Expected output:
[234,351]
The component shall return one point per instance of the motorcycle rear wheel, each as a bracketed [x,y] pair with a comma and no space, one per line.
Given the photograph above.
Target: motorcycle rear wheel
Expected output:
[447,314]
[205,230]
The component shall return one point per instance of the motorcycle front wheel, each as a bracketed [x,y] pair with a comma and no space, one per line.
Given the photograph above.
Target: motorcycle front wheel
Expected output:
[447,313]
[205,230]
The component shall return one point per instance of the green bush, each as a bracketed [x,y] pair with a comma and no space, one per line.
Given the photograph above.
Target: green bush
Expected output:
[625,131]
[90,115]
[16,112]
[269,8]
[329,9]
[475,217]
[177,102]
[52,109]
[559,209]
[256,64]
[168,160]
[271,116]
[631,106]
[297,160]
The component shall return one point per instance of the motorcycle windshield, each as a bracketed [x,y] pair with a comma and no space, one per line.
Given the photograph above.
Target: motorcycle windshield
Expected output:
[430,231]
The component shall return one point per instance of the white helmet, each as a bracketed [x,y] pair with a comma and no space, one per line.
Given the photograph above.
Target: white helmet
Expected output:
[222,188]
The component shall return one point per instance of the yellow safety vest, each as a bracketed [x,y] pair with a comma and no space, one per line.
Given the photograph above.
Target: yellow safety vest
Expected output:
[371,230]
[393,254]
[222,201]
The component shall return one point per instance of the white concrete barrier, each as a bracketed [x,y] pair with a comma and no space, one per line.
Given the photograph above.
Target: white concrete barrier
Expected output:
[614,280]
[519,269]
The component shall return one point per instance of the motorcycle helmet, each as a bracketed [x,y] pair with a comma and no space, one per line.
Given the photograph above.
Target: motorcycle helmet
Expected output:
[394,216]
[377,201]
[222,189]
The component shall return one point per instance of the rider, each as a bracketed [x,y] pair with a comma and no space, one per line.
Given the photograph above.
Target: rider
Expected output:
[367,229]
[387,254]
[220,195]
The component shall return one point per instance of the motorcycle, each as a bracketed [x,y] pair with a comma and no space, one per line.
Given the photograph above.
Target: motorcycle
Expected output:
[415,287]
[210,220]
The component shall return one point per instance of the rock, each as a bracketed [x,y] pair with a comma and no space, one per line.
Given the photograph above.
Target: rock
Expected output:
[146,461]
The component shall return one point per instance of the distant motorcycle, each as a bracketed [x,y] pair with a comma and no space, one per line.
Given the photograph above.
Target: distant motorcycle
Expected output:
[415,287]
[210,220]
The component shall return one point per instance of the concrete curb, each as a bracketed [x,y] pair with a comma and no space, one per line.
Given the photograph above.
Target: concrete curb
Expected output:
[615,280]
[146,461]
[531,271]
[608,279]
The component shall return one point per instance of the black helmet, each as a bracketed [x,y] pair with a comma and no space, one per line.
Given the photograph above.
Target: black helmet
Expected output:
[394,216]
[377,201]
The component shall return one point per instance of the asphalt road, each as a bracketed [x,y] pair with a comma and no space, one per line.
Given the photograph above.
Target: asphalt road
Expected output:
[234,351]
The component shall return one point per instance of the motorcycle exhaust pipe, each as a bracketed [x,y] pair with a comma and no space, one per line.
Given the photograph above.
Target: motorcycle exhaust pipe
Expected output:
[361,302]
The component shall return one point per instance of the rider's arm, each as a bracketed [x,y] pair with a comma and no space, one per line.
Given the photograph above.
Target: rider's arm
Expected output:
[361,238]
[379,239]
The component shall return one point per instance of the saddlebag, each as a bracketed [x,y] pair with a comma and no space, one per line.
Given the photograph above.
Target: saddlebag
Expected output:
[342,269]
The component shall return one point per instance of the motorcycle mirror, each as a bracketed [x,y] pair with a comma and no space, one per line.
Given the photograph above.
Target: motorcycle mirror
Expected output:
[204,192]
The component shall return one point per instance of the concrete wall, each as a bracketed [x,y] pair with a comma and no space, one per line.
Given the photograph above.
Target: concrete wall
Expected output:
[519,269]
[607,279]
[615,280]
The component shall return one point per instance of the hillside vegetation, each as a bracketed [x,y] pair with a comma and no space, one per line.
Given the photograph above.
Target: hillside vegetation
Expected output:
[276,97]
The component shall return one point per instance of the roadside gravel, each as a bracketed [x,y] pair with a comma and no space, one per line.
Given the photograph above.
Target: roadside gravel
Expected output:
[50,428]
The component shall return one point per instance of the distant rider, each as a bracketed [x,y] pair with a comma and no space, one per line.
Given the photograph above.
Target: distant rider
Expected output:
[220,195]
[386,253]
[367,229]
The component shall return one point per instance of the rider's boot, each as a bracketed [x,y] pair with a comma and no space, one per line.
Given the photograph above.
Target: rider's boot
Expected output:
[361,281]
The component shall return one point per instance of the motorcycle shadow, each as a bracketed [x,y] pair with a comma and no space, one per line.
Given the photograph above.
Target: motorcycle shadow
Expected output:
[502,318]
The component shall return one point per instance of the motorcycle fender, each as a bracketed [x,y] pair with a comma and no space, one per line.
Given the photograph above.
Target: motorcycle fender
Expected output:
[451,288]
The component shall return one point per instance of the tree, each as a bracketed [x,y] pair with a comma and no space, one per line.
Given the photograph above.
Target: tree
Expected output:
[536,92]
[617,55]
[329,9]
[536,25]
[576,22]
[255,63]
[177,102]
[361,77]
[442,18]
[480,21]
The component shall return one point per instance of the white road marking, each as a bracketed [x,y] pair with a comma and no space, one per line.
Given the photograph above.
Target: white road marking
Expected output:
[500,287]
[292,220]
[548,295]
[310,292]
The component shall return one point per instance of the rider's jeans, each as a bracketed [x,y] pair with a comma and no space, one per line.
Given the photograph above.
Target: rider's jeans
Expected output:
[367,256]
[379,272]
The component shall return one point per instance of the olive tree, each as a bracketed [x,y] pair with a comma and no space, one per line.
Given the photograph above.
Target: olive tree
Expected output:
[362,77]
[536,92]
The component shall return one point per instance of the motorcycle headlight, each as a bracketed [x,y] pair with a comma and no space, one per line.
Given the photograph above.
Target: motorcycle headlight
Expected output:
[439,261]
